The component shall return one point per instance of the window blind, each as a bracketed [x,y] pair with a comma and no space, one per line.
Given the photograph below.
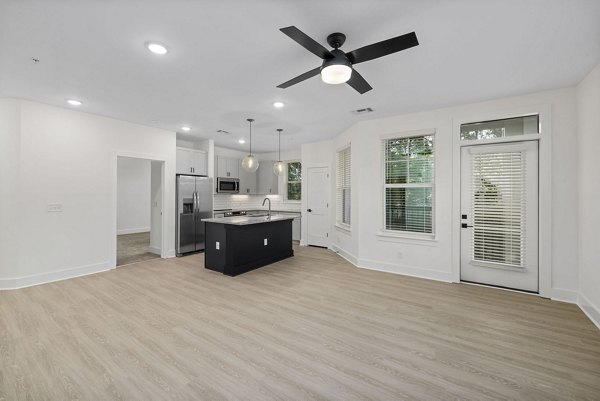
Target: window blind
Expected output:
[344,186]
[498,207]
[408,186]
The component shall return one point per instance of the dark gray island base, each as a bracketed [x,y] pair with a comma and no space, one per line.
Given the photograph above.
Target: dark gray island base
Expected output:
[246,243]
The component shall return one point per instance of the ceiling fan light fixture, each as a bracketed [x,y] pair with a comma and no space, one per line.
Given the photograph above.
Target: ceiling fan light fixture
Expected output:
[335,74]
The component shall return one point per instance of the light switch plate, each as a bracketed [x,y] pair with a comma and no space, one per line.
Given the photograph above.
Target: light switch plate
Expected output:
[266,242]
[54,207]
[218,245]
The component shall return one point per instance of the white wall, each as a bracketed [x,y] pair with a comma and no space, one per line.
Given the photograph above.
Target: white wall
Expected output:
[156,212]
[433,259]
[588,104]
[10,145]
[133,195]
[70,158]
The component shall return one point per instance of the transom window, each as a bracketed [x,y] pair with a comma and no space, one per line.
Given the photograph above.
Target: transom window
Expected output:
[500,128]
[408,186]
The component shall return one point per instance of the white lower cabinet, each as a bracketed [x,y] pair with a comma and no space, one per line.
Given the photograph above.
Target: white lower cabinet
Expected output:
[296,229]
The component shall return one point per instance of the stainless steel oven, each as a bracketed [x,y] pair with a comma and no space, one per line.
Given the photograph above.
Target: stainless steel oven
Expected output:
[228,185]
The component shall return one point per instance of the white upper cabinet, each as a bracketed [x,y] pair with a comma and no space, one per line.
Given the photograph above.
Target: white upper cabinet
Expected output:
[247,181]
[191,161]
[268,182]
[227,167]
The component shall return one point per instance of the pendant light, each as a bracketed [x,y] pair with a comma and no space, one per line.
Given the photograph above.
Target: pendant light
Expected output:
[249,163]
[279,166]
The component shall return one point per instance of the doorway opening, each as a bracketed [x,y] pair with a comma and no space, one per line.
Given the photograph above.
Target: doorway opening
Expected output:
[139,210]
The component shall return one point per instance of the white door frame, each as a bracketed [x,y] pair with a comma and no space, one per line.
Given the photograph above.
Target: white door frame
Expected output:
[544,139]
[502,275]
[304,220]
[113,199]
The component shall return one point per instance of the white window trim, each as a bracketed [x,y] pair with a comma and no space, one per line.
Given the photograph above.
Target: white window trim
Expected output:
[409,235]
[285,182]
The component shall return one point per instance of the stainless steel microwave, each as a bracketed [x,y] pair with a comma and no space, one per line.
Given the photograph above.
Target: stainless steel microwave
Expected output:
[228,185]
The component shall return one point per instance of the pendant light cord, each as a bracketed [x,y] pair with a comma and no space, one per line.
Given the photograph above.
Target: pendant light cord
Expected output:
[279,131]
[250,121]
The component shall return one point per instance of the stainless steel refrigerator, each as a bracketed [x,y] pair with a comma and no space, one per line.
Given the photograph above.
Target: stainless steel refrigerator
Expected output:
[194,203]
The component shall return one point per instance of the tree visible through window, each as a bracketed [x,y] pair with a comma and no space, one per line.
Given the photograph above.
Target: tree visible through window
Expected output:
[408,187]
[294,181]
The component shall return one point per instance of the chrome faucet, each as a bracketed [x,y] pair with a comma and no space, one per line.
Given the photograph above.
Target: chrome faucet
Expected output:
[268,199]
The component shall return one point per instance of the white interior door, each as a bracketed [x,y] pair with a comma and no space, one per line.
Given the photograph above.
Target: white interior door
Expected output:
[317,206]
[499,221]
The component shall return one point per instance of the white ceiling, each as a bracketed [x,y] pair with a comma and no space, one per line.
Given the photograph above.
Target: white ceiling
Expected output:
[227,57]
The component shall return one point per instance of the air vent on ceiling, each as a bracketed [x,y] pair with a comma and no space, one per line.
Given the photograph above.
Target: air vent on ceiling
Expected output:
[363,111]
[221,131]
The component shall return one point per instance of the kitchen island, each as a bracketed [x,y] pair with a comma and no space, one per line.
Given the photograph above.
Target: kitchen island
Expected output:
[235,245]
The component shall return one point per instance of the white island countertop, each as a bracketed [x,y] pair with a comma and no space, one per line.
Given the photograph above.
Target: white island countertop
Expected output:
[246,220]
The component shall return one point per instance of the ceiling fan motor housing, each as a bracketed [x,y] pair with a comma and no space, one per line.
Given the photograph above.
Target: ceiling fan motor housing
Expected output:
[339,58]
[336,40]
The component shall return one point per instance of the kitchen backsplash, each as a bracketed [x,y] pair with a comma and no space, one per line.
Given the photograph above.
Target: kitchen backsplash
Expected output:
[223,201]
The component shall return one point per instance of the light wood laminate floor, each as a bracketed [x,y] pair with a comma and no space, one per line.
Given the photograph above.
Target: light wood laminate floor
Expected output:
[311,327]
[133,248]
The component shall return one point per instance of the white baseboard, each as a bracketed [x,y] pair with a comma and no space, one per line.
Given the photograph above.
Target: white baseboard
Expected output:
[560,294]
[392,268]
[170,253]
[154,249]
[133,230]
[592,311]
[345,254]
[43,278]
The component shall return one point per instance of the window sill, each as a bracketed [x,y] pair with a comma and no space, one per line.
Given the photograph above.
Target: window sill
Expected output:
[389,236]
[343,227]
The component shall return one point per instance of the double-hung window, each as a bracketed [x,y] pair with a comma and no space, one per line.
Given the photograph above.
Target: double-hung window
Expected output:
[343,187]
[408,184]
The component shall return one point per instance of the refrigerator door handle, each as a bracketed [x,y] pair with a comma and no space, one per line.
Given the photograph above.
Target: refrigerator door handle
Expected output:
[196,203]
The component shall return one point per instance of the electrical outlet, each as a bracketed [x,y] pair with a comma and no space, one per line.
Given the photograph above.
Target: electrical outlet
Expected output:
[266,242]
[54,207]
[217,245]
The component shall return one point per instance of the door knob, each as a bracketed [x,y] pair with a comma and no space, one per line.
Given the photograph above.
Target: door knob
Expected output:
[309,210]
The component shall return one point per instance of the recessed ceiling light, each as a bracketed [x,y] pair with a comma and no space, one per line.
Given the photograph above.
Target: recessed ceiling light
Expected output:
[156,48]
[241,141]
[185,128]
[74,102]
[278,105]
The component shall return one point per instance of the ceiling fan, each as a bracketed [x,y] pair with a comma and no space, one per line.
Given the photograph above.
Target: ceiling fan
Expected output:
[337,65]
